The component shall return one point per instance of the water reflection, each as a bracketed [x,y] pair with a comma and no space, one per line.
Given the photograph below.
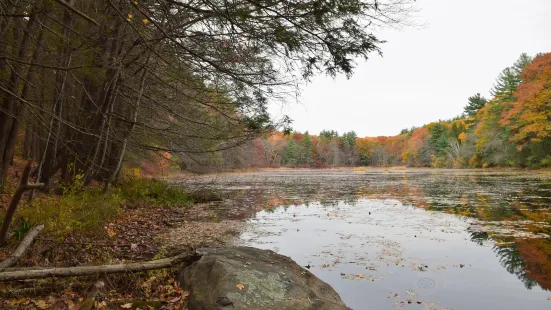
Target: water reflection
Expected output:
[507,211]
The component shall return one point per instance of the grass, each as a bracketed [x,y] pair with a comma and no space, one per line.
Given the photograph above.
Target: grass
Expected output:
[88,210]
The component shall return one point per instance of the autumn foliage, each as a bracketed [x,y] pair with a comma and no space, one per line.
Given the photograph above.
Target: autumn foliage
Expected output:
[511,129]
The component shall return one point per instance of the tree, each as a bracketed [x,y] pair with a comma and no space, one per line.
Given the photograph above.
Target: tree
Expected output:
[307,149]
[530,118]
[505,85]
[94,83]
[291,153]
[523,61]
[509,79]
[328,134]
[475,103]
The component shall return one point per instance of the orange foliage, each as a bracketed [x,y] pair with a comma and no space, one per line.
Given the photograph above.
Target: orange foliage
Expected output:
[530,116]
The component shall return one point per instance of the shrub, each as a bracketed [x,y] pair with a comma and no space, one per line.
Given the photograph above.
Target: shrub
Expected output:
[85,210]
[546,161]
[152,191]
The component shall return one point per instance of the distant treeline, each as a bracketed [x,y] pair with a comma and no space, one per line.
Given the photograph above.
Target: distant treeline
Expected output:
[512,129]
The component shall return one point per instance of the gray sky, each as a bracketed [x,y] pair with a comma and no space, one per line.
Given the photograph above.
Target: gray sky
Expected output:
[426,73]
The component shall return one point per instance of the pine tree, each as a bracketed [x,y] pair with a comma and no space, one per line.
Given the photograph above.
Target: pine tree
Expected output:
[291,153]
[476,103]
[307,148]
[506,84]
[523,61]
[509,79]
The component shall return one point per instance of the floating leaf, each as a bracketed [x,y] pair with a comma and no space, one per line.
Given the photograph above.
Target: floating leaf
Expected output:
[240,286]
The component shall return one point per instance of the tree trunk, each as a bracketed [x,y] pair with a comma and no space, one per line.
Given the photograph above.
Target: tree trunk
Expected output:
[133,119]
[12,207]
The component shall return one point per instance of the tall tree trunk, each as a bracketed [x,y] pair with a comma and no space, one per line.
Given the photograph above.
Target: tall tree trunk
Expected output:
[12,105]
[133,119]
[48,163]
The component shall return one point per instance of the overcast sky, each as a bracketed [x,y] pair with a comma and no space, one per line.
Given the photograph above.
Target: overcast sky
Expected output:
[426,73]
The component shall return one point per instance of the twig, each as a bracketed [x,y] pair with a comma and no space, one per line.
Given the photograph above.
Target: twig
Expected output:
[79,13]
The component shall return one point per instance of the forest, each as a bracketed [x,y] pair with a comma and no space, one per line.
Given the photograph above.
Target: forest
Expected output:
[90,87]
[511,129]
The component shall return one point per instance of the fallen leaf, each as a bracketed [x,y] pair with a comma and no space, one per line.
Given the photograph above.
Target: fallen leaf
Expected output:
[41,304]
[240,286]
[126,306]
[175,299]
[185,295]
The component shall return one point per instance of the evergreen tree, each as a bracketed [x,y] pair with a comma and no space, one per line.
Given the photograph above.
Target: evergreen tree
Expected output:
[307,148]
[329,134]
[291,153]
[506,84]
[474,104]
[509,79]
[523,61]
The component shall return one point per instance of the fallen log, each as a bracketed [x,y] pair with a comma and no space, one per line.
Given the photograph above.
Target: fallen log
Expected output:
[21,248]
[98,270]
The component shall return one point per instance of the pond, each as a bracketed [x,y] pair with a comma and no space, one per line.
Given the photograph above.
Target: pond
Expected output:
[405,238]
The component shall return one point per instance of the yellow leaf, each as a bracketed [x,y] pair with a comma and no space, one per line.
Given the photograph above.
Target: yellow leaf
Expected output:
[41,304]
[126,306]
[240,286]
[111,233]
[145,20]
[130,17]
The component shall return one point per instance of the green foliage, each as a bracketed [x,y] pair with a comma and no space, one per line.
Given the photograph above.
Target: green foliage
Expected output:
[152,192]
[440,162]
[506,84]
[23,229]
[291,153]
[348,139]
[546,162]
[77,210]
[474,104]
[88,209]
[509,79]
[307,149]
[439,138]
[328,134]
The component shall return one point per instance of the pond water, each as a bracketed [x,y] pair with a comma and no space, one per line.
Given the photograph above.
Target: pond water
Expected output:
[405,238]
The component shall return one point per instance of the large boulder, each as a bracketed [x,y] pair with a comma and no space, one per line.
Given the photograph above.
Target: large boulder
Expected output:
[250,278]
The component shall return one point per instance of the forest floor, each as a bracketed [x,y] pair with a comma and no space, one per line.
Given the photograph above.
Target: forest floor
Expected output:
[139,232]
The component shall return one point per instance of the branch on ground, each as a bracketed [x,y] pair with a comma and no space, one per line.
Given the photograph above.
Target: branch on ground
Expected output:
[98,270]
